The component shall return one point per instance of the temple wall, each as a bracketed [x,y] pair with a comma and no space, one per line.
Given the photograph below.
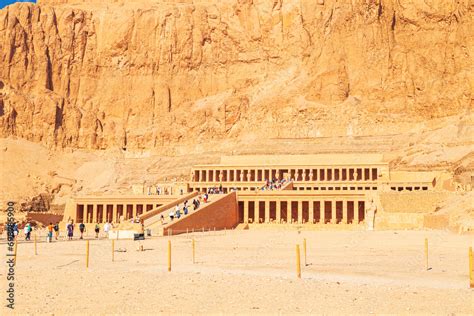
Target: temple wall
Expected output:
[411,210]
[412,202]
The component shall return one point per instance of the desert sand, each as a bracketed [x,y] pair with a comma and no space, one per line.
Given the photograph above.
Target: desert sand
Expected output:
[249,272]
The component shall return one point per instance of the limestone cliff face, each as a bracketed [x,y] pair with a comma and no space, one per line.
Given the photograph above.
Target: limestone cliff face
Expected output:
[102,74]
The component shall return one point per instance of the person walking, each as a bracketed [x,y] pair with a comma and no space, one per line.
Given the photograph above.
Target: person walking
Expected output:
[97,230]
[50,232]
[15,230]
[56,230]
[70,230]
[27,231]
[106,229]
[82,229]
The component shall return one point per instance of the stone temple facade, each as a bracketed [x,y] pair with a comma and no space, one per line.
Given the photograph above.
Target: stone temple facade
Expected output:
[310,190]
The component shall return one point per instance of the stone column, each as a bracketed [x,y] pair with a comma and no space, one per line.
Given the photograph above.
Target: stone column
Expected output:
[235,176]
[248,175]
[104,214]
[114,213]
[322,210]
[257,212]
[333,212]
[134,210]
[303,176]
[246,212]
[344,211]
[288,211]
[94,213]
[300,212]
[267,211]
[278,211]
[356,212]
[311,211]
[311,175]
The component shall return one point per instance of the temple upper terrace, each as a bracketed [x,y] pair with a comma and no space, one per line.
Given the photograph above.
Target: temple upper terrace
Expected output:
[367,169]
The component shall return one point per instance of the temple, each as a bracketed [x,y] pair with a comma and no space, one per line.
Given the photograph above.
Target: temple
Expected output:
[325,189]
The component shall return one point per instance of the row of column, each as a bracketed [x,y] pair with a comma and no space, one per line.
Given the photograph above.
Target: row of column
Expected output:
[86,218]
[288,219]
[257,174]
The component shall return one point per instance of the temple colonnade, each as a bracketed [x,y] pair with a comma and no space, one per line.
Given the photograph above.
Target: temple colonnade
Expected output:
[322,209]
[248,174]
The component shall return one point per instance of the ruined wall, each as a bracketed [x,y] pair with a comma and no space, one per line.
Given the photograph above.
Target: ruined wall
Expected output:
[146,74]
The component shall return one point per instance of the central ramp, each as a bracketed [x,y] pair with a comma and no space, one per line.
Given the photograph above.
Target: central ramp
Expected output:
[220,212]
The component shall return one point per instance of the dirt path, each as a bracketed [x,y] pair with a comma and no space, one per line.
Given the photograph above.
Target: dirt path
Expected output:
[250,272]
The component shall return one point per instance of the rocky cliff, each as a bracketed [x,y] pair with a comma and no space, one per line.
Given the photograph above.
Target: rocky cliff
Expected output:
[134,75]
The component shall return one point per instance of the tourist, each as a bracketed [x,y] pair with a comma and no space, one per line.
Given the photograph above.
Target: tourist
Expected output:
[106,228]
[70,230]
[82,229]
[50,232]
[97,230]
[56,230]
[15,230]
[171,214]
[27,231]
[185,210]
[162,219]
[178,213]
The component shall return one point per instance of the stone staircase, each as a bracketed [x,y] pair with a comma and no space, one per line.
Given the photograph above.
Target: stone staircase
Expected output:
[220,212]
[152,219]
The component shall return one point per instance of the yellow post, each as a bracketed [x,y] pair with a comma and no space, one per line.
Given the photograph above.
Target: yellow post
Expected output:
[304,248]
[471,273]
[14,249]
[194,251]
[36,249]
[169,255]
[113,250]
[87,253]
[426,252]
[298,265]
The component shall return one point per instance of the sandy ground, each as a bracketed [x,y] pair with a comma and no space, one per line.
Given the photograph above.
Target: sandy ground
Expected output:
[247,272]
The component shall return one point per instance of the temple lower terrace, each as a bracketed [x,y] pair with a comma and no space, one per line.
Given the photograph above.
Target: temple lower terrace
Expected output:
[339,190]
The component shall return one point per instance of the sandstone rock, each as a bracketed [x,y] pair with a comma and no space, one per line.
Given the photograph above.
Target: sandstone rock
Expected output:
[137,75]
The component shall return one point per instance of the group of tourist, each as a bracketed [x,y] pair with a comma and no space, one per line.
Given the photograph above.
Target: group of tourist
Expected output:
[273,184]
[177,212]
[184,210]
[82,229]
[215,190]
[28,229]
